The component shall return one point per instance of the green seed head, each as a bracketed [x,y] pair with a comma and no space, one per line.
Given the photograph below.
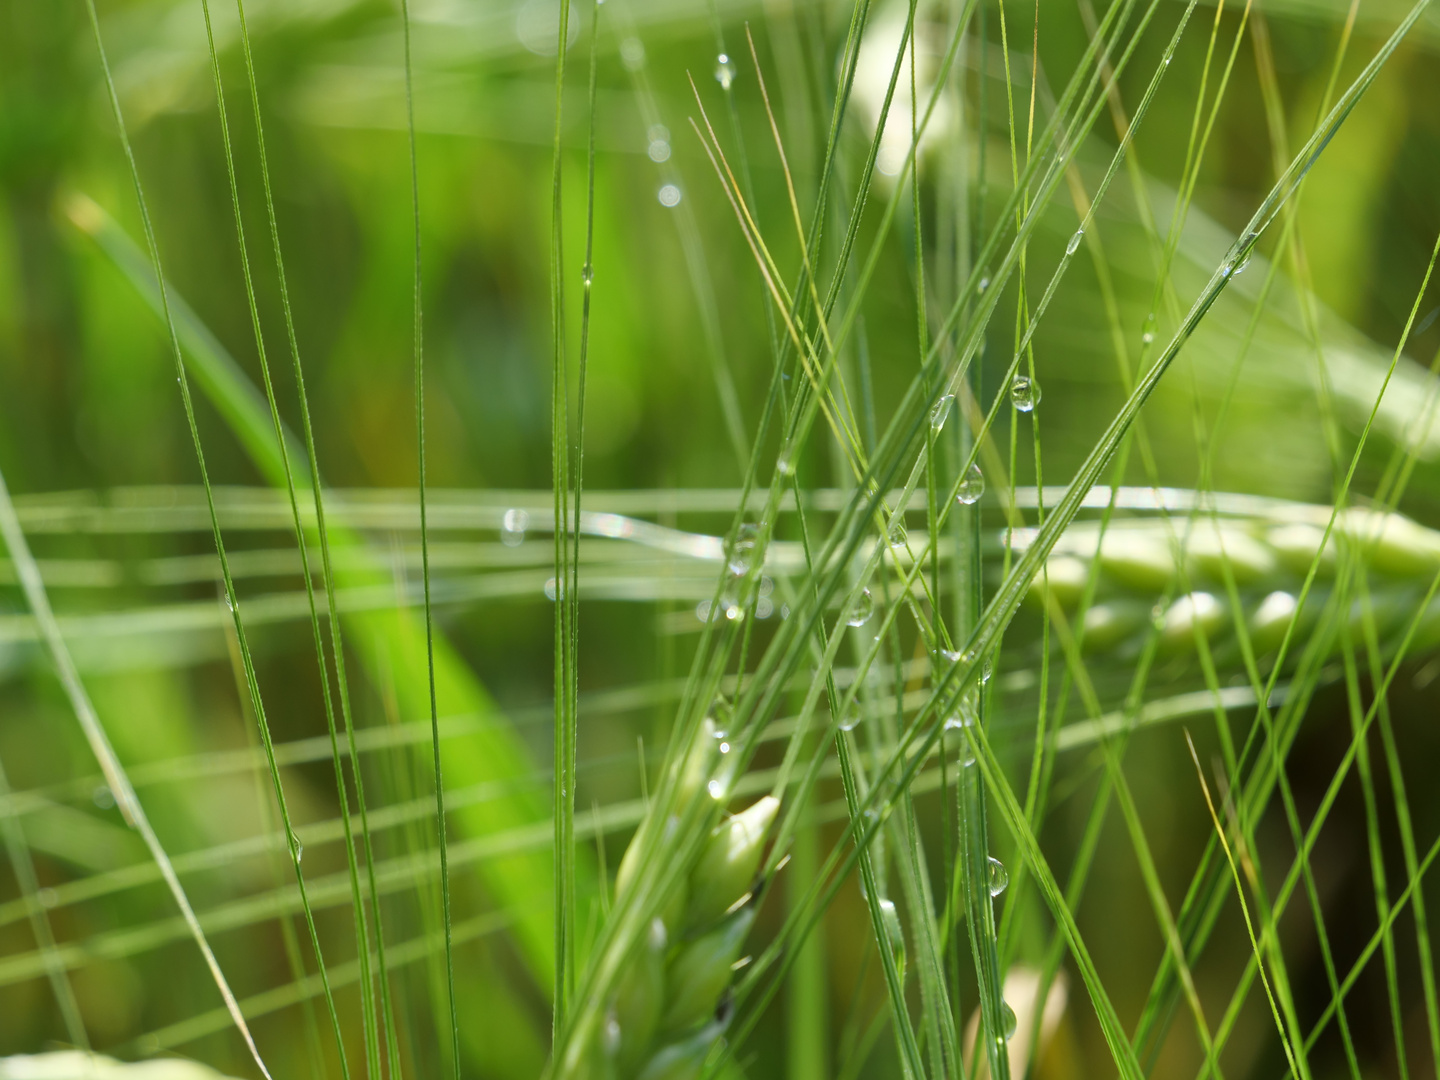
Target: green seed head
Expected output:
[1270,621]
[1210,550]
[1137,559]
[727,866]
[1110,623]
[700,972]
[1390,543]
[1065,577]
[684,1060]
[1200,611]
[638,1000]
[1296,546]
[699,765]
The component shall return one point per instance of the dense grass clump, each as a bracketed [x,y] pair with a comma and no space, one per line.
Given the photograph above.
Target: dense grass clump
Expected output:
[638,541]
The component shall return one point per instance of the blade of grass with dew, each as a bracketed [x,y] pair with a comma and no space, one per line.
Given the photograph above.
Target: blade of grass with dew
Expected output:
[441,823]
[1302,163]
[23,867]
[384,639]
[114,771]
[369,1021]
[1207,909]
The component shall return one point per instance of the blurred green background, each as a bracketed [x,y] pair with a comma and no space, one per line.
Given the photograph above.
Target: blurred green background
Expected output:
[94,447]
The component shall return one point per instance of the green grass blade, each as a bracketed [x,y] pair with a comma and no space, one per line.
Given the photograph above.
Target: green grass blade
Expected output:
[385,640]
[99,742]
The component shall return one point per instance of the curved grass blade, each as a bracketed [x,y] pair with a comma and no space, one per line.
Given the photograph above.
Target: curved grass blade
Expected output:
[99,742]
[386,639]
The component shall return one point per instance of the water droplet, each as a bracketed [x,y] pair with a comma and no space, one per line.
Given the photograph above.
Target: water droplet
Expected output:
[999,877]
[103,797]
[724,71]
[734,612]
[1157,616]
[658,150]
[724,748]
[767,585]
[299,851]
[587,275]
[941,412]
[716,790]
[632,53]
[720,714]
[1147,337]
[742,551]
[513,526]
[861,609]
[785,463]
[850,718]
[984,284]
[764,607]
[1074,243]
[971,487]
[1008,1023]
[1245,262]
[669,195]
[47,897]
[1024,393]
[958,722]
[702,611]
[896,536]
[1227,268]
[552,590]
[1167,61]
[229,603]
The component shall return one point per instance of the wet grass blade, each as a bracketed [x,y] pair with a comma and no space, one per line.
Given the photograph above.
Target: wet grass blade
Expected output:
[386,640]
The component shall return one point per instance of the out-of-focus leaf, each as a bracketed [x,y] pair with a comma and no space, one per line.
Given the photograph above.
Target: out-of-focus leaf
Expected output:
[391,643]
[79,1065]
